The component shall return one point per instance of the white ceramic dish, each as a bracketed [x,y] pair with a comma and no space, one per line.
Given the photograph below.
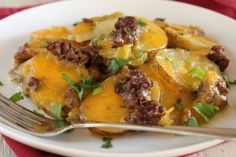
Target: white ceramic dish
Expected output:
[15,31]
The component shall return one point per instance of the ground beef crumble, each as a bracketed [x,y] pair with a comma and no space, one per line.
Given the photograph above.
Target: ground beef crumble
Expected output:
[126,31]
[71,100]
[24,53]
[218,57]
[65,50]
[135,88]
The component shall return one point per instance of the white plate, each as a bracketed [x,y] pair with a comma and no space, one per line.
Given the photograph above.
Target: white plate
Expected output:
[15,31]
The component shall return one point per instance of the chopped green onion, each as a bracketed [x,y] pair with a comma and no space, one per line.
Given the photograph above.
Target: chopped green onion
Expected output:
[198,73]
[16,97]
[107,142]
[56,111]
[179,106]
[1,84]
[207,111]
[192,122]
[97,90]
[116,64]
[141,23]
[228,82]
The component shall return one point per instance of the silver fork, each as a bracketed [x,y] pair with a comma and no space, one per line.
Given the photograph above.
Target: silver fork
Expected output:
[34,124]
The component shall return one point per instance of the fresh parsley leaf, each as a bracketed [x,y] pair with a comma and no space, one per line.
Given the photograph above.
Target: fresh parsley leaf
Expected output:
[207,111]
[179,106]
[60,123]
[141,23]
[97,90]
[174,64]
[39,114]
[80,87]
[116,64]
[16,97]
[228,82]
[95,39]
[192,122]
[1,84]
[56,111]
[107,142]
[198,73]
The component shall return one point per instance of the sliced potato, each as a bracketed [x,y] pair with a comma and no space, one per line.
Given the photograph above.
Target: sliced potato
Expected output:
[48,69]
[106,106]
[187,37]
[181,66]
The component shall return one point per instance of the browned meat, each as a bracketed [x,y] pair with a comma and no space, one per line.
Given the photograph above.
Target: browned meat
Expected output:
[65,50]
[24,53]
[213,90]
[71,100]
[126,31]
[34,83]
[145,113]
[217,55]
[134,87]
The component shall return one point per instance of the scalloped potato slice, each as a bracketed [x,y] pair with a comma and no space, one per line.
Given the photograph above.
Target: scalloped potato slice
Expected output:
[187,37]
[48,69]
[105,106]
[153,37]
[177,64]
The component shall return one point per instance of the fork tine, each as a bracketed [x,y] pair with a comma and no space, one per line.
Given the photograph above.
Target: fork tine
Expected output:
[22,110]
[15,120]
[17,114]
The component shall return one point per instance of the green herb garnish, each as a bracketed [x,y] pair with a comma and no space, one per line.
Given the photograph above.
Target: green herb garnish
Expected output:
[116,64]
[192,122]
[95,39]
[80,87]
[107,142]
[174,64]
[179,106]
[39,114]
[141,23]
[198,73]
[207,111]
[97,90]
[16,97]
[1,84]
[228,82]
[56,111]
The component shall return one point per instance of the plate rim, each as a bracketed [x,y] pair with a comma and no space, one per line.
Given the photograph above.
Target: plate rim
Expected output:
[53,149]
